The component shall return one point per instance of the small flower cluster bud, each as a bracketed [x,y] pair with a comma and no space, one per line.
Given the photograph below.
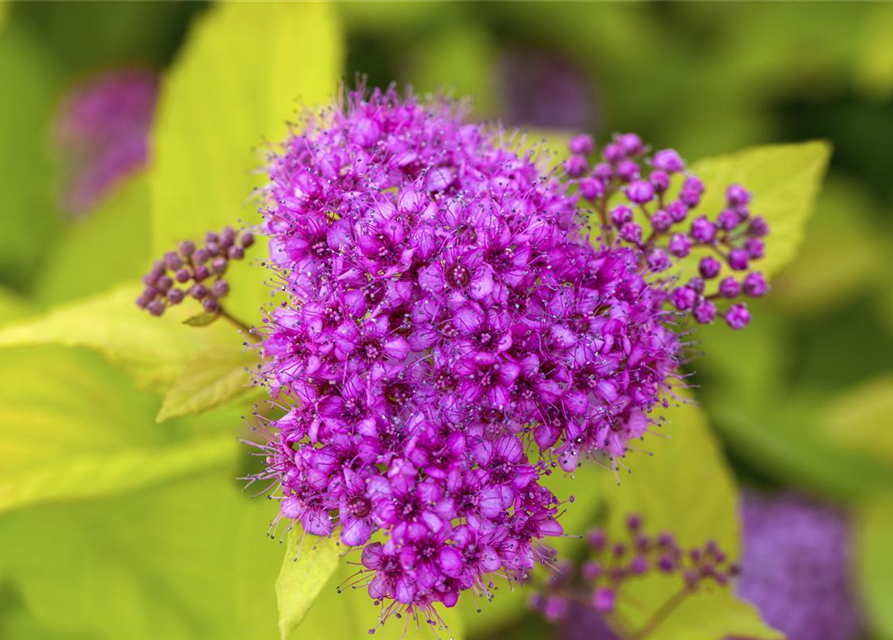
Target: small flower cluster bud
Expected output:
[194,272]
[612,561]
[653,223]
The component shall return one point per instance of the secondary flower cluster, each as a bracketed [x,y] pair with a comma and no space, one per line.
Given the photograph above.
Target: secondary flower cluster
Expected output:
[798,561]
[102,129]
[635,200]
[451,336]
[196,272]
[631,555]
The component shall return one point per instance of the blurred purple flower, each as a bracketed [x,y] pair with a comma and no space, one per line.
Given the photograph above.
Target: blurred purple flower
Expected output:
[542,89]
[797,566]
[102,129]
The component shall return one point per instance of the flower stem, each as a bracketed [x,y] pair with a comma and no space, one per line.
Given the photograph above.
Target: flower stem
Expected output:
[241,326]
[660,615]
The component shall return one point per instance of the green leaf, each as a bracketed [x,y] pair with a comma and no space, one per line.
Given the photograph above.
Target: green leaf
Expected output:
[308,564]
[710,614]
[12,307]
[242,74]
[744,376]
[684,486]
[201,320]
[71,427]
[684,472]
[107,247]
[874,552]
[466,54]
[210,379]
[874,68]
[861,418]
[30,85]
[183,560]
[154,350]
[827,273]
[784,180]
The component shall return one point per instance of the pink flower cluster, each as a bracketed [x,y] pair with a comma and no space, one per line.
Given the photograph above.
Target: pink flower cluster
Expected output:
[451,336]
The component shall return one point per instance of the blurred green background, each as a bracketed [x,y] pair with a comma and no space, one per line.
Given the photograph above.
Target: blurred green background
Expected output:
[803,398]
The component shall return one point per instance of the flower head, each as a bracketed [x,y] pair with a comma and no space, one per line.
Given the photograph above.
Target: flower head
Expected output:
[452,335]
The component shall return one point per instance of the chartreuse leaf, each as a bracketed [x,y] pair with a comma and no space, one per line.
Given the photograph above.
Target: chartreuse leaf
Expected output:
[109,246]
[874,552]
[71,428]
[12,307]
[188,559]
[827,272]
[30,86]
[210,379]
[685,487]
[778,432]
[784,180]
[308,564]
[243,73]
[861,419]
[874,65]
[154,350]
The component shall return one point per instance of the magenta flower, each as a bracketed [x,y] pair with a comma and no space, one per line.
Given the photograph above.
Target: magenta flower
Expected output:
[451,334]
[798,567]
[102,129]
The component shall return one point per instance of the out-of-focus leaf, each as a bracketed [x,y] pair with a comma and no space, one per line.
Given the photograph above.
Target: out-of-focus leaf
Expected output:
[71,427]
[188,559]
[109,246]
[86,37]
[388,17]
[201,320]
[874,557]
[241,76]
[686,487]
[828,271]
[308,564]
[12,307]
[153,350]
[461,60]
[210,379]
[685,473]
[710,614]
[351,614]
[30,84]
[861,418]
[874,67]
[15,622]
[784,179]
[778,431]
